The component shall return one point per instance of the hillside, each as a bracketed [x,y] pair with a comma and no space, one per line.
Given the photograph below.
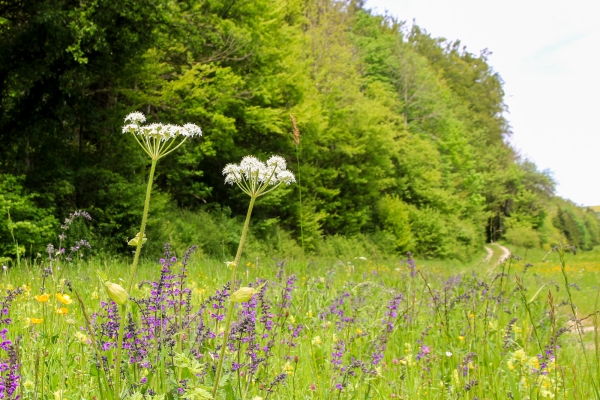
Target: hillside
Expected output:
[402,136]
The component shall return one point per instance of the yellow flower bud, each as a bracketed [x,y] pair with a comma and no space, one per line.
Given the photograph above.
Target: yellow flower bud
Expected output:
[244,294]
[116,292]
[136,239]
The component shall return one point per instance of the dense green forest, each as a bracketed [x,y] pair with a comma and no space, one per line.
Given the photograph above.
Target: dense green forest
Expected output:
[402,136]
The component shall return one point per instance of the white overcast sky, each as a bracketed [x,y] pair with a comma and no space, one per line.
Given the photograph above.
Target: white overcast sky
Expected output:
[548,54]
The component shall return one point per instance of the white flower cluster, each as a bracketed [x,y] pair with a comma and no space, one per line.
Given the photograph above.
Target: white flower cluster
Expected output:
[254,176]
[157,139]
[160,131]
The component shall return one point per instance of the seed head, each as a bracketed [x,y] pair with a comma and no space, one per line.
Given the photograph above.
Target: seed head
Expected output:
[296,131]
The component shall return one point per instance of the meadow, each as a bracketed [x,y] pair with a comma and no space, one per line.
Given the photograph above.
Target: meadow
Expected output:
[318,328]
[356,326]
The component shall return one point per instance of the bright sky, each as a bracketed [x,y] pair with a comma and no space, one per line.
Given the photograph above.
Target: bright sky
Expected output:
[548,54]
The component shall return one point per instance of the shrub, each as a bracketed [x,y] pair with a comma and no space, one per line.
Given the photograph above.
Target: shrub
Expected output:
[32,226]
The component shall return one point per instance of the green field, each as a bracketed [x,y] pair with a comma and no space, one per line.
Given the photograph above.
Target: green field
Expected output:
[348,328]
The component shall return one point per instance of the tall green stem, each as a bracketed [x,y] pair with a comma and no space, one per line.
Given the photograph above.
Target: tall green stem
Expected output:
[143,228]
[563,270]
[300,195]
[231,303]
[136,259]
[119,348]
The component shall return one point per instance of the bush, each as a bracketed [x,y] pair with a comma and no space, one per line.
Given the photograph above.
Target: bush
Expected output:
[394,217]
[33,227]
[523,236]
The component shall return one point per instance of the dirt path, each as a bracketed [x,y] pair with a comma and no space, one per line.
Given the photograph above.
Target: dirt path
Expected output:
[494,248]
[489,255]
[505,253]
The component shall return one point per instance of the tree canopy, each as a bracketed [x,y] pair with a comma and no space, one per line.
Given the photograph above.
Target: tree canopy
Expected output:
[403,136]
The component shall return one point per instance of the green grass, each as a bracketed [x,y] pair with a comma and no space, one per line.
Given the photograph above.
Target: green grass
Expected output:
[452,323]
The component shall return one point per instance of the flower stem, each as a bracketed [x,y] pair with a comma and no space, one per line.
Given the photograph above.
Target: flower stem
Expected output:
[136,259]
[231,303]
[300,195]
[143,228]
[119,349]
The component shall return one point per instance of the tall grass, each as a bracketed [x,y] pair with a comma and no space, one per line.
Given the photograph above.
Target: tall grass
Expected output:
[350,329]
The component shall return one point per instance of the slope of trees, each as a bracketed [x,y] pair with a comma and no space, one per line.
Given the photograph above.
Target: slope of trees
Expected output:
[403,135]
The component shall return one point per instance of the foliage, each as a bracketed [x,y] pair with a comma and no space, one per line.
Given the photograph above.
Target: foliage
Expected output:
[394,215]
[384,110]
[30,225]
[580,227]
[523,236]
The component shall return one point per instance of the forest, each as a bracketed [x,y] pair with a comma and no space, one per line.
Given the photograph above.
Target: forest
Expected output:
[398,139]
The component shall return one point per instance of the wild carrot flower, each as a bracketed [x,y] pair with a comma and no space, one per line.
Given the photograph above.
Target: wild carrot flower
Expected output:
[158,139]
[254,177]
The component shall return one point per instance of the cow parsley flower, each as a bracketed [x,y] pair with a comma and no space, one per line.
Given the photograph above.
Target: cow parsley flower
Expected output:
[255,177]
[158,139]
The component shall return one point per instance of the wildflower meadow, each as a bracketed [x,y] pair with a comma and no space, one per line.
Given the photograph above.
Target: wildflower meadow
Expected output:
[191,327]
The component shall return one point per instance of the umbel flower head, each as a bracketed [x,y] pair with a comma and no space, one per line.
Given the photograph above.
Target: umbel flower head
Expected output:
[255,177]
[158,139]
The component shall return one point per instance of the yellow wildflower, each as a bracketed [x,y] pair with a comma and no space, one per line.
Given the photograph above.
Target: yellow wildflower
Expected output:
[81,337]
[461,338]
[455,378]
[288,368]
[534,362]
[42,298]
[64,298]
[36,321]
[62,311]
[520,356]
[359,331]
[316,341]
